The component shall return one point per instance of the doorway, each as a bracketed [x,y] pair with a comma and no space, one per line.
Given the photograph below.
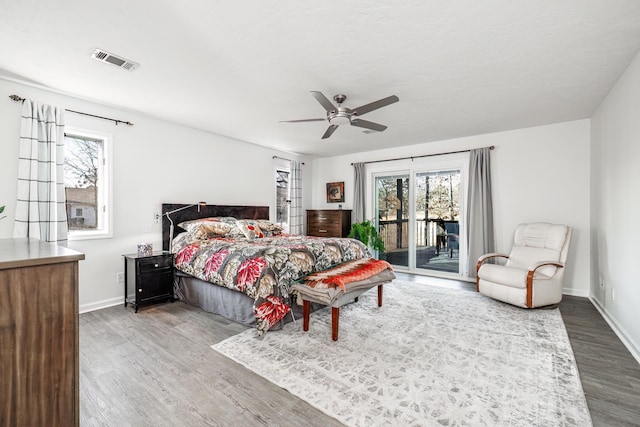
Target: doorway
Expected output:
[418,217]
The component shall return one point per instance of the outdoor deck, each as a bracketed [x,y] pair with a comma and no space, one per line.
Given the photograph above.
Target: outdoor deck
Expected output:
[426,258]
[394,234]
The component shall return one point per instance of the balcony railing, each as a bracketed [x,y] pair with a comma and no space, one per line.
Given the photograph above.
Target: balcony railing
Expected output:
[394,233]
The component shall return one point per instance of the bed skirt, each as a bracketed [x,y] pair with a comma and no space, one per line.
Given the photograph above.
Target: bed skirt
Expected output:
[228,303]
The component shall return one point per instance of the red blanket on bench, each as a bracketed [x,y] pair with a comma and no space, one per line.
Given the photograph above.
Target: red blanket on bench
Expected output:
[350,271]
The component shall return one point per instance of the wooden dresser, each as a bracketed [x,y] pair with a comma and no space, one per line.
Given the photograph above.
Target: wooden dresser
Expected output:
[328,222]
[39,369]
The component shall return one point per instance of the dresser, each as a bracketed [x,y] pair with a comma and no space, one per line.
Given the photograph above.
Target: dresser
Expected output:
[39,369]
[328,222]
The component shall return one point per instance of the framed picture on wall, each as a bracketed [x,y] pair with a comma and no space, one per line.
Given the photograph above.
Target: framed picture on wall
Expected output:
[335,192]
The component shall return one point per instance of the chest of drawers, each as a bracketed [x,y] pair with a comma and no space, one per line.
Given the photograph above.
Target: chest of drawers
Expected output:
[328,222]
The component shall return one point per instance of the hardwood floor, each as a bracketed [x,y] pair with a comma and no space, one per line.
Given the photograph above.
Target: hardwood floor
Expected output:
[156,368]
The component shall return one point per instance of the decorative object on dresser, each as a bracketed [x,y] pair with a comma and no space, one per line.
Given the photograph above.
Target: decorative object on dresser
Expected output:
[335,192]
[39,367]
[150,278]
[328,222]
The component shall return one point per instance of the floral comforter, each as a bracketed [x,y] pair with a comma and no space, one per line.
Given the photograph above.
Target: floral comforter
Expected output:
[264,269]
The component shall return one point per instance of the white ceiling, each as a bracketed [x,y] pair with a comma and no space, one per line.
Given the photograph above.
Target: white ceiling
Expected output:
[237,68]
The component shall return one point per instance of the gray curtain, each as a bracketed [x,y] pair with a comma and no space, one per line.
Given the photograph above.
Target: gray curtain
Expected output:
[40,208]
[480,232]
[359,188]
[295,211]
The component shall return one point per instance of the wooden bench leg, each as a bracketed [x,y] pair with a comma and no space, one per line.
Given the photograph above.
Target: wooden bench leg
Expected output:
[335,316]
[379,295]
[306,309]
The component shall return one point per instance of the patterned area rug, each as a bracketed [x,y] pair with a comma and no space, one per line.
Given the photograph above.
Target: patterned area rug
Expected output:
[430,356]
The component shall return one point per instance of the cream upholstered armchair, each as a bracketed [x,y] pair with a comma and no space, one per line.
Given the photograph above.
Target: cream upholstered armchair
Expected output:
[532,275]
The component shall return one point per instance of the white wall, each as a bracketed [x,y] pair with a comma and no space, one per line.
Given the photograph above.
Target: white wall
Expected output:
[615,205]
[154,162]
[539,174]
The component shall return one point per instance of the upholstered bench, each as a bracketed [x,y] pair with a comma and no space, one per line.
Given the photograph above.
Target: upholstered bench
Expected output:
[340,285]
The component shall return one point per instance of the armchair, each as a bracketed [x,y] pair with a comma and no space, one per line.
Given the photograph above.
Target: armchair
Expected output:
[533,272]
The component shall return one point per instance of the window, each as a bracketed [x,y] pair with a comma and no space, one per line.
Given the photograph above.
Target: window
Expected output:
[87,183]
[283,200]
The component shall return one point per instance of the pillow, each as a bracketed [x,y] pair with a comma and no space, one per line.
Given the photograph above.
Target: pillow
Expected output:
[269,228]
[250,229]
[206,228]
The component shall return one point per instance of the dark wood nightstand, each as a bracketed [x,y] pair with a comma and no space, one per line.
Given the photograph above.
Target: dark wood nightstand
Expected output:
[150,277]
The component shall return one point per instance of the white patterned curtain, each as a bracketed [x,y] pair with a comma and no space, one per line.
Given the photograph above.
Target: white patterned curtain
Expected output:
[40,208]
[480,232]
[295,220]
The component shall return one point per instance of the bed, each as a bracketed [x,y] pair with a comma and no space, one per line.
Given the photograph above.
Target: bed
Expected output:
[240,266]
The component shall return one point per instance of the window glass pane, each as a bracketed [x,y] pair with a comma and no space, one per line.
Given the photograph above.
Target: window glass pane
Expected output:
[392,215]
[282,199]
[437,204]
[82,173]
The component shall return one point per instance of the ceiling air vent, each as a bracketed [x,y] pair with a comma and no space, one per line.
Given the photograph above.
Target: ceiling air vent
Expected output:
[104,56]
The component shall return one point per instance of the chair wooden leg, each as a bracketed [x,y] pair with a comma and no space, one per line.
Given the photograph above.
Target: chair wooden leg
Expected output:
[306,309]
[379,295]
[335,316]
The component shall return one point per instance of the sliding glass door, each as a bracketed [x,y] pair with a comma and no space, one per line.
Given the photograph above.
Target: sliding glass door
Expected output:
[418,214]
[392,216]
[437,218]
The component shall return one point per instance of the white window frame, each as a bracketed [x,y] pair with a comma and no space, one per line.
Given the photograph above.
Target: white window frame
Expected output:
[275,214]
[104,190]
[419,165]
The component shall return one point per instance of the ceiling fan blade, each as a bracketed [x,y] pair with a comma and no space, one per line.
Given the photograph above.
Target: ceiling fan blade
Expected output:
[375,105]
[302,120]
[368,125]
[323,101]
[330,130]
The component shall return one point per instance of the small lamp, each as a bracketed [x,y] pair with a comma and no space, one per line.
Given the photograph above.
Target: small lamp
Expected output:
[171,222]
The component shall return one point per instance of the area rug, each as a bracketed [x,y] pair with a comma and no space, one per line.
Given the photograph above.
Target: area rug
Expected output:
[430,356]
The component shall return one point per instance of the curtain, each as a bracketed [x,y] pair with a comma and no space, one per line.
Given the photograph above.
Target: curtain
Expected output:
[480,233]
[359,189]
[295,219]
[40,207]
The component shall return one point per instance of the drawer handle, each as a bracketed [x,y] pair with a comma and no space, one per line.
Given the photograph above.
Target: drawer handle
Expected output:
[322,217]
[155,265]
[140,290]
[322,231]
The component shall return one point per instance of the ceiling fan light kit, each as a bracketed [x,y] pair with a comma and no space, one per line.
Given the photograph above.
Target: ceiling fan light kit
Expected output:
[340,115]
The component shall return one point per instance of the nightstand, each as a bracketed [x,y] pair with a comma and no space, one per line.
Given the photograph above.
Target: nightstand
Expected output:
[150,277]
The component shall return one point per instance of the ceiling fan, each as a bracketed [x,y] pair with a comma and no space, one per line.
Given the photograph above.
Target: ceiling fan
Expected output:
[340,115]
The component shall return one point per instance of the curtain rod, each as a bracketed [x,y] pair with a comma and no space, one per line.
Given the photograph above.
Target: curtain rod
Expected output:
[17,98]
[423,155]
[282,158]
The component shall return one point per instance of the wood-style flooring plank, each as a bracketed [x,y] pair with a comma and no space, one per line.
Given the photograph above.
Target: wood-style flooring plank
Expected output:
[156,368]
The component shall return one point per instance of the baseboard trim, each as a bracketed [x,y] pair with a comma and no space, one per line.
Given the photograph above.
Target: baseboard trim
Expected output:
[576,292]
[98,305]
[617,329]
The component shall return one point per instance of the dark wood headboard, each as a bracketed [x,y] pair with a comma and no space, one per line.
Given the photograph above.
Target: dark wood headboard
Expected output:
[205,211]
